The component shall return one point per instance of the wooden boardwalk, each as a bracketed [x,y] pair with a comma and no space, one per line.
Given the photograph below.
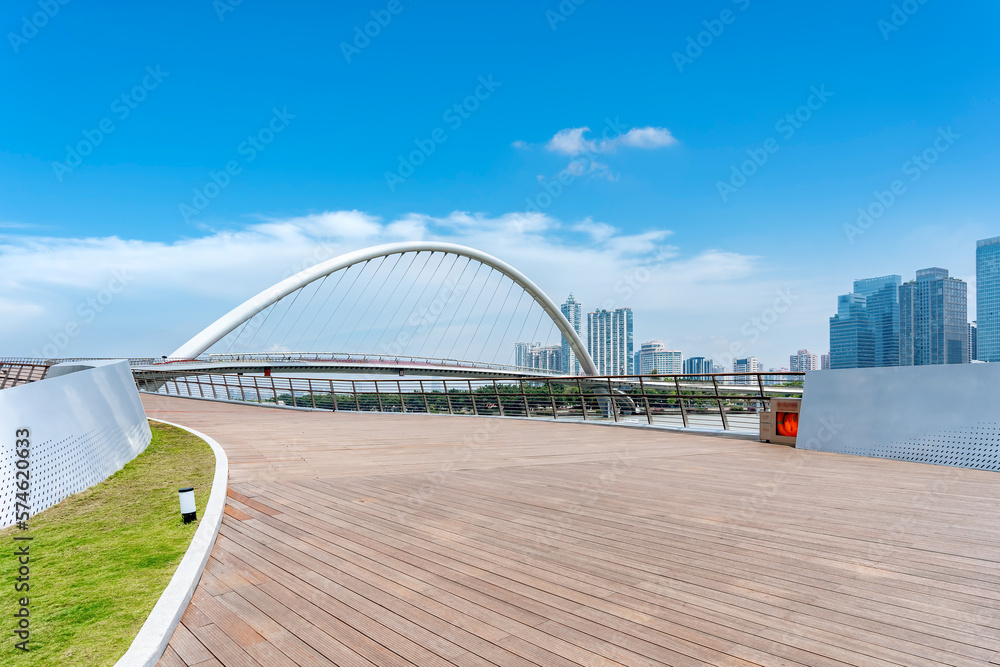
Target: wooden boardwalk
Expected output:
[381,539]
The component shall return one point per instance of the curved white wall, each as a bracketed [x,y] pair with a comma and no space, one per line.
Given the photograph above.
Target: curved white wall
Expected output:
[85,423]
[947,414]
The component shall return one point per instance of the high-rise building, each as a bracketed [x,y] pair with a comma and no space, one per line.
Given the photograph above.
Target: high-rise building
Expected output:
[988,299]
[934,320]
[973,341]
[803,360]
[535,356]
[698,365]
[824,362]
[574,313]
[746,365]
[882,303]
[655,357]
[852,341]
[609,341]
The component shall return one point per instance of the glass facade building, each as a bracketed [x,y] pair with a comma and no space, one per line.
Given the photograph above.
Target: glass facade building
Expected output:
[988,299]
[882,303]
[852,338]
[574,313]
[934,324]
[697,365]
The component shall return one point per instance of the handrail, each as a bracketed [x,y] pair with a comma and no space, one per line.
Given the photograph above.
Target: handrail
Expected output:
[663,400]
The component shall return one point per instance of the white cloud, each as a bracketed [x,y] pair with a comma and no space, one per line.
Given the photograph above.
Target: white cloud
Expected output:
[176,288]
[572,141]
[646,137]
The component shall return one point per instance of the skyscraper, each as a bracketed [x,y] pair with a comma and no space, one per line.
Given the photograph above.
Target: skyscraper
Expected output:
[973,341]
[852,343]
[746,365]
[882,303]
[609,341]
[698,365]
[803,360]
[865,330]
[824,362]
[574,313]
[933,320]
[988,299]
[536,356]
[654,356]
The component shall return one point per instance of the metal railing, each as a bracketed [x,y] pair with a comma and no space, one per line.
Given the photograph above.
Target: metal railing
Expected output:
[724,401]
[17,373]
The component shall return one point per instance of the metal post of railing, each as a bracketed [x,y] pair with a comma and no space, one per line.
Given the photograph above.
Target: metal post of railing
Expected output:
[760,383]
[614,403]
[680,399]
[722,409]
[552,400]
[399,392]
[378,396]
[447,396]
[583,401]
[423,392]
[472,397]
[354,390]
[274,391]
[312,394]
[333,397]
[256,388]
[645,401]
[524,398]
[496,392]
[291,389]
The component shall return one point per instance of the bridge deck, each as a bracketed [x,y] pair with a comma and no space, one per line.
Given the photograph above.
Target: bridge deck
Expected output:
[357,539]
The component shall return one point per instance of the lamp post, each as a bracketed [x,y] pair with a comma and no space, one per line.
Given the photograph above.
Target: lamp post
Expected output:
[188,510]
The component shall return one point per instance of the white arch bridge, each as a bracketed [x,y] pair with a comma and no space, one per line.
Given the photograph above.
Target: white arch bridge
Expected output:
[461,320]
[425,308]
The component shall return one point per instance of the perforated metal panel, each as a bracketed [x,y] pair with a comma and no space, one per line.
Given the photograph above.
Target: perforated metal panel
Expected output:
[82,427]
[975,446]
[946,415]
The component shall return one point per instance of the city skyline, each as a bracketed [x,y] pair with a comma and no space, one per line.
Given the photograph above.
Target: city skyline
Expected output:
[655,194]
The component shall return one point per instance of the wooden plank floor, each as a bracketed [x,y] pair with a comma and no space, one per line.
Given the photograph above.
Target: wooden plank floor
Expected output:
[368,539]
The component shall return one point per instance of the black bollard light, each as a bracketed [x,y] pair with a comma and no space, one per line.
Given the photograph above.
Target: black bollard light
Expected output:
[189,512]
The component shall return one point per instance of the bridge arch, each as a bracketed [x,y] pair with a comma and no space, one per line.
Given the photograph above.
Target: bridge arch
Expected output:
[249,308]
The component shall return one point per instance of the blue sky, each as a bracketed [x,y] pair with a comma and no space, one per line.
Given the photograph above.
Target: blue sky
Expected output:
[210,77]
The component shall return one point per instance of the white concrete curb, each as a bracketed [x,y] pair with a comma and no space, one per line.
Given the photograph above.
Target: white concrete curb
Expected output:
[149,645]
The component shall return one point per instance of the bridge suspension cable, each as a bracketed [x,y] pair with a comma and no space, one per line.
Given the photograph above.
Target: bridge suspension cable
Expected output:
[456,298]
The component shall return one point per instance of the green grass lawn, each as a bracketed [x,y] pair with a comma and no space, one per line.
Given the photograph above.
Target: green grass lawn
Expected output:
[101,559]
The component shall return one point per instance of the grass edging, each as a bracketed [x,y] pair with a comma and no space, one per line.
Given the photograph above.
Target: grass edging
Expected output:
[148,646]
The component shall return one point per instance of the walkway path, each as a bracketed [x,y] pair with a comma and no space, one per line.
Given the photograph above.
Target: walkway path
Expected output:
[377,539]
